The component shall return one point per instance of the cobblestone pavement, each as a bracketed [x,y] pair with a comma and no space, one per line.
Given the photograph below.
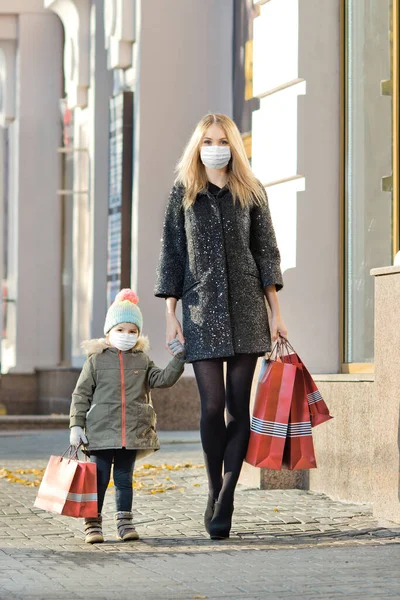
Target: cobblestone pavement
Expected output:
[284,544]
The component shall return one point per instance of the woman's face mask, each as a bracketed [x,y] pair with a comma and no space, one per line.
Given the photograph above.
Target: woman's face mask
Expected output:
[215,157]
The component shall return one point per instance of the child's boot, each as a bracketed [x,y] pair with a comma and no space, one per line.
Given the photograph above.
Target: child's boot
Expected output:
[93,530]
[125,528]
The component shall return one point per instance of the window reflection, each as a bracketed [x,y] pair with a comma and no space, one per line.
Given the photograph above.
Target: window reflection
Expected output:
[368,197]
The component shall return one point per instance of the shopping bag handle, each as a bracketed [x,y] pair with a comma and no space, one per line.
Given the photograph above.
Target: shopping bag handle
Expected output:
[278,349]
[282,347]
[286,342]
[291,352]
[72,452]
[283,340]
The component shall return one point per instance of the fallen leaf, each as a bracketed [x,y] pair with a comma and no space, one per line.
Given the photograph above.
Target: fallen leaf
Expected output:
[146,478]
[276,509]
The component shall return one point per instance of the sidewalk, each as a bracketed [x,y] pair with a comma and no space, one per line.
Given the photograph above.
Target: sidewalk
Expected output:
[284,544]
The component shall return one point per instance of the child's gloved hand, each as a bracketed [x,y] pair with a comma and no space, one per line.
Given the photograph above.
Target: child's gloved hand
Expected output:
[177,349]
[77,436]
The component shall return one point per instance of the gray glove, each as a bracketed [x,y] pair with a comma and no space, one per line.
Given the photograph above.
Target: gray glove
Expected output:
[77,436]
[177,349]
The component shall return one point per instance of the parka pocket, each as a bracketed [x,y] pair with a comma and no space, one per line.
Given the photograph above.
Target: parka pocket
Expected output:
[147,421]
[96,414]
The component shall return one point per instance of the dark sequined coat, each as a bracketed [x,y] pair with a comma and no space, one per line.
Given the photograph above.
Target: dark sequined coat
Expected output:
[217,257]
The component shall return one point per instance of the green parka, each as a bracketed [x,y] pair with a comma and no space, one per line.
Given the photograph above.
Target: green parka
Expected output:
[112,401]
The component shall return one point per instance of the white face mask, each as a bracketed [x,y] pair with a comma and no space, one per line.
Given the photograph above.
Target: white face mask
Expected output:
[215,157]
[123,341]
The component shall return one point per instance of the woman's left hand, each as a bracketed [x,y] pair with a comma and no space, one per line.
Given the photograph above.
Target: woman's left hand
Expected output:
[278,328]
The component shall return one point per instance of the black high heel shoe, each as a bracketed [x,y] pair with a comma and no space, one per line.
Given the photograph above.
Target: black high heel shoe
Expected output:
[221,523]
[209,512]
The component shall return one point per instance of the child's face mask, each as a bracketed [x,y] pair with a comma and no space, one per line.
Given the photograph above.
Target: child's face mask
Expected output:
[123,341]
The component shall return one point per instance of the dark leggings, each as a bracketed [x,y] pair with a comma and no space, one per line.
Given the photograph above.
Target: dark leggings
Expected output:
[124,463]
[225,444]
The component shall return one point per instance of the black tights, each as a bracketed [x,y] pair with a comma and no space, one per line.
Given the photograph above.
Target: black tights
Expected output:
[225,445]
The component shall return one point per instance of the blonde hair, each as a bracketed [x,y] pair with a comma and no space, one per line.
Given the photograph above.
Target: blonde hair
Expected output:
[191,172]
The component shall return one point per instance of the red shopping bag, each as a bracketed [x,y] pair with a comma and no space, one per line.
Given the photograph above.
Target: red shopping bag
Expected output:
[69,487]
[299,448]
[271,415]
[318,409]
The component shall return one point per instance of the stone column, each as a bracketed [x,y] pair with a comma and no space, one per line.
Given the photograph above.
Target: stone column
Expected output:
[100,92]
[34,219]
[88,86]
[8,77]
[2,174]
[185,71]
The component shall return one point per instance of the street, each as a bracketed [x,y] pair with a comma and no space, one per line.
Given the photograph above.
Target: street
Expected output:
[284,544]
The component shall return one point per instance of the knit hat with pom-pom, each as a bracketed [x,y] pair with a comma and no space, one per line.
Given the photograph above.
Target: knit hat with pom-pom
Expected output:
[124,309]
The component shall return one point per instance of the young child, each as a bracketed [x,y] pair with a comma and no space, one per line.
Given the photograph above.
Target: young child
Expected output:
[111,410]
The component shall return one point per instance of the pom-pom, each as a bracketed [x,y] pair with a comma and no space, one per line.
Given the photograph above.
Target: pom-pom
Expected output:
[126,294]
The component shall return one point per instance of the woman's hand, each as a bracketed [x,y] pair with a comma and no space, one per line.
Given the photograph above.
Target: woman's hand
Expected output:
[278,328]
[174,330]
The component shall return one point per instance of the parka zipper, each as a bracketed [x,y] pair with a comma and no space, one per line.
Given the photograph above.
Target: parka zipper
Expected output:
[123,399]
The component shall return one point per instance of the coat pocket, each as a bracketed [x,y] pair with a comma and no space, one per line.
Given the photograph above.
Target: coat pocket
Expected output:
[252,283]
[256,275]
[188,288]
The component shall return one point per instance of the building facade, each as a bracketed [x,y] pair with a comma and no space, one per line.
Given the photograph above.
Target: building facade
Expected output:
[97,100]
[91,132]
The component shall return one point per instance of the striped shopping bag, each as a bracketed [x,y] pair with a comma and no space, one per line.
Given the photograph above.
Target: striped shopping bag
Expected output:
[69,487]
[269,424]
[318,409]
[299,447]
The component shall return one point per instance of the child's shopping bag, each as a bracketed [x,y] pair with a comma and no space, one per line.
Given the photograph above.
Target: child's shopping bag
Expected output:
[69,486]
[269,424]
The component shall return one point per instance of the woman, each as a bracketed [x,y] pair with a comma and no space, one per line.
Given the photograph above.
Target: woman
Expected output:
[219,256]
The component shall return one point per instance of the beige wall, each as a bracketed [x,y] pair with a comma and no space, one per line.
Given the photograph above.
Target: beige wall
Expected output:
[386,415]
[344,446]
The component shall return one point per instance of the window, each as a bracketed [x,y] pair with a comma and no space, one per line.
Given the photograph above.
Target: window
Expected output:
[370,197]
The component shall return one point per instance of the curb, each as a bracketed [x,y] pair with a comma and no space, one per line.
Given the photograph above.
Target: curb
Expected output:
[12,424]
[9,422]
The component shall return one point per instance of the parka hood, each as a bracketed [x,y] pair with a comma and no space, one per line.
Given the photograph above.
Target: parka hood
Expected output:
[97,346]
